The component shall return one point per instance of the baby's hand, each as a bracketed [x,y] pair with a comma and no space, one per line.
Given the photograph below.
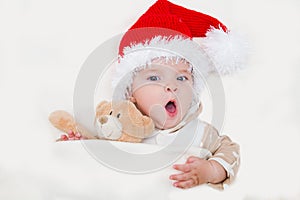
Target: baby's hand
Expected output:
[70,136]
[197,171]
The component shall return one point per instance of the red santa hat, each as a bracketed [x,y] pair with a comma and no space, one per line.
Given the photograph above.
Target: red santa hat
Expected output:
[167,30]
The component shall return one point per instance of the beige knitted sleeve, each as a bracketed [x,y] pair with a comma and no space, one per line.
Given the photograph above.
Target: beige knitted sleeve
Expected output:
[224,151]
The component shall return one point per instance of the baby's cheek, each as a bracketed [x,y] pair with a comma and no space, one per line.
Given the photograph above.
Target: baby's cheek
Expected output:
[185,98]
[158,114]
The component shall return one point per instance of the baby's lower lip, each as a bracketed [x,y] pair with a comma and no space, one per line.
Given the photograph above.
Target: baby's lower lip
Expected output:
[172,114]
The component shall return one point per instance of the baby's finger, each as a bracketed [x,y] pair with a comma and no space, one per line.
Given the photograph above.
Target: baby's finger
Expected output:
[77,134]
[183,167]
[184,184]
[63,138]
[180,177]
[71,134]
[192,159]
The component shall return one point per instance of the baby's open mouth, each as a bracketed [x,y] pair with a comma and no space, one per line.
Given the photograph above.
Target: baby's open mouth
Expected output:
[171,108]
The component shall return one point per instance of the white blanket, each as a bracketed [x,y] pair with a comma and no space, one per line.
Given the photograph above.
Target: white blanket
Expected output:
[73,173]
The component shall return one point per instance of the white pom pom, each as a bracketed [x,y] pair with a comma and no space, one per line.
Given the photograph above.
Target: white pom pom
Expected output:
[227,50]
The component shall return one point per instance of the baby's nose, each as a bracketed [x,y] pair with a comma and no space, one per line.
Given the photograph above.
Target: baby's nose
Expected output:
[171,88]
[103,119]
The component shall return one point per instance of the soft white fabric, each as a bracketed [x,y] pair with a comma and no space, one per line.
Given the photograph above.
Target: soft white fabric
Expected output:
[82,177]
[164,137]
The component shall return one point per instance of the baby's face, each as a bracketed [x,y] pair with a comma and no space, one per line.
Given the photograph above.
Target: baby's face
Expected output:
[164,92]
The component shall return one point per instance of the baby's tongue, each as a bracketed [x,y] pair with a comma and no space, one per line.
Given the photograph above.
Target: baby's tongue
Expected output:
[170,107]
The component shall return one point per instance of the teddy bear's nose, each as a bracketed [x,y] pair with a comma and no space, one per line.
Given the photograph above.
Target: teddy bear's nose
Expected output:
[103,119]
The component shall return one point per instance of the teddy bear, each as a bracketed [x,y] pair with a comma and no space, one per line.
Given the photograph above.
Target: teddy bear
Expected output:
[114,120]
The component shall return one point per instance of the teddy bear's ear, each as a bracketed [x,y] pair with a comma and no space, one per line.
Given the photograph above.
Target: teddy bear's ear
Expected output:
[63,121]
[134,113]
[99,108]
[148,126]
[139,126]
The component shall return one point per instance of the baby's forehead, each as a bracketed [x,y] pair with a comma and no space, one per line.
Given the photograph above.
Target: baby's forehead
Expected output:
[178,64]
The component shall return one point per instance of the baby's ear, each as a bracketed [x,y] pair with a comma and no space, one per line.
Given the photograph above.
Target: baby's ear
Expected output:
[132,99]
[200,107]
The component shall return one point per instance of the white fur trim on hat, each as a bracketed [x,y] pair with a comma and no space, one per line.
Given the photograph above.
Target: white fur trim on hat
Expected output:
[219,52]
[227,50]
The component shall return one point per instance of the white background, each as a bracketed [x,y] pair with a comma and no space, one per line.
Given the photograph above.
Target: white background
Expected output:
[43,45]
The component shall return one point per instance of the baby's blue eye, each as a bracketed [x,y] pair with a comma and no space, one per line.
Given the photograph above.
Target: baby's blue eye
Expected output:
[153,78]
[182,78]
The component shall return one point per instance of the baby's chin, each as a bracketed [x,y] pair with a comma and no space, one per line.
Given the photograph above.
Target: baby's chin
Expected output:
[166,125]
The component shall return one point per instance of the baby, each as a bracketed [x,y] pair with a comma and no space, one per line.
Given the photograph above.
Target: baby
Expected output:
[161,70]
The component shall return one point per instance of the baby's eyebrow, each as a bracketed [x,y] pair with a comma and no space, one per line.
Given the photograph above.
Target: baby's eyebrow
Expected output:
[185,71]
[150,70]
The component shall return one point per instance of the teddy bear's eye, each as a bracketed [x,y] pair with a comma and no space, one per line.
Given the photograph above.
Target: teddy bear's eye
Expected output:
[110,113]
[118,115]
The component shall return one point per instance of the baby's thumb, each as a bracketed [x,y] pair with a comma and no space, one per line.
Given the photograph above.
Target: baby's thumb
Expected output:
[192,159]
